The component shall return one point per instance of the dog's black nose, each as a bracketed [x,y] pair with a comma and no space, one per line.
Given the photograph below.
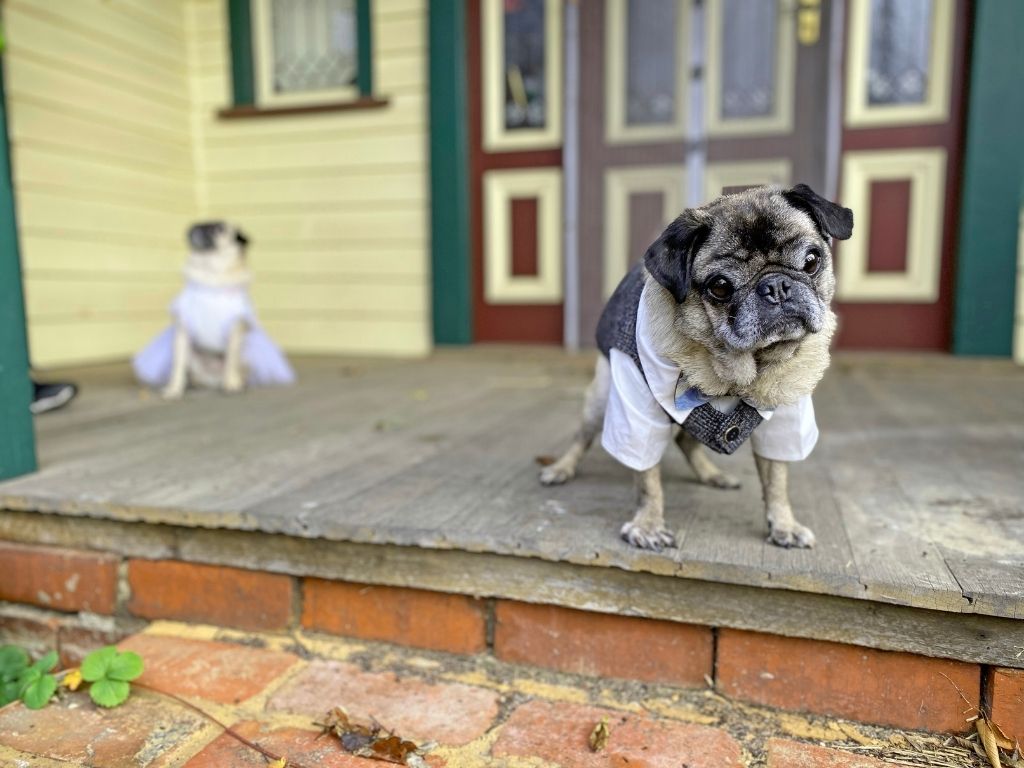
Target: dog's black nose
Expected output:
[775,289]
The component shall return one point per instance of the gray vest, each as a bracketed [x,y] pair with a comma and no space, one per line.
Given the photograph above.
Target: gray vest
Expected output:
[721,432]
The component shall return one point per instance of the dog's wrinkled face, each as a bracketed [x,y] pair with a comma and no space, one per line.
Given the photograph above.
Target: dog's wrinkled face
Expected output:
[216,246]
[758,264]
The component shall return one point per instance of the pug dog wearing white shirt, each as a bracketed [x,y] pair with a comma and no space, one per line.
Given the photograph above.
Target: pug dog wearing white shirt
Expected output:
[722,331]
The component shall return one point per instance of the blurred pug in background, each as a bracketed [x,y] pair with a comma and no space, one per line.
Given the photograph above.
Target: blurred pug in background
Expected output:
[720,334]
[215,340]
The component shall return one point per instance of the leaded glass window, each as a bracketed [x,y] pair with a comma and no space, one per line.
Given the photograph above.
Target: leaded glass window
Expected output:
[651,56]
[314,45]
[900,49]
[748,61]
[524,65]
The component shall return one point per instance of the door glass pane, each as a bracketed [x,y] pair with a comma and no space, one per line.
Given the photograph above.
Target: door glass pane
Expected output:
[525,105]
[900,48]
[651,46]
[749,33]
[314,44]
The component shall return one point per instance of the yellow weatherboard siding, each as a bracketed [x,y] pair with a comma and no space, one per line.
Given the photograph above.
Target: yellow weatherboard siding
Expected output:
[104,181]
[336,203]
[117,148]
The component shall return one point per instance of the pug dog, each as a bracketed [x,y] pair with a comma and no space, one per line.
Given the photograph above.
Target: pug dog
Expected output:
[215,341]
[721,333]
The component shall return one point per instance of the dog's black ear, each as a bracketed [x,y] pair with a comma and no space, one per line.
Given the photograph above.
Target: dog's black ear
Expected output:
[832,219]
[670,257]
[200,236]
[241,238]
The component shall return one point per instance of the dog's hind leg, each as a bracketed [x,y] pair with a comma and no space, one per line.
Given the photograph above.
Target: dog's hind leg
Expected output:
[594,402]
[705,470]
[178,380]
[647,528]
[783,529]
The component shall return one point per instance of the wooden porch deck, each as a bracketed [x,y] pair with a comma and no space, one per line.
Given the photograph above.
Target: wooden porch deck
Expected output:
[423,473]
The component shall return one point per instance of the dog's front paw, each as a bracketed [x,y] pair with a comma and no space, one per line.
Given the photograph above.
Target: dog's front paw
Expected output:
[721,480]
[647,538]
[172,393]
[554,474]
[794,535]
[233,384]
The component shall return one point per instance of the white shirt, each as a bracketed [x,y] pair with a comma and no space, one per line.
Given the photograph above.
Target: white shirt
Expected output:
[640,412]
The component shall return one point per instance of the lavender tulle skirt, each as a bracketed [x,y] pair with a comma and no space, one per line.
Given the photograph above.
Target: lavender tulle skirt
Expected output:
[207,315]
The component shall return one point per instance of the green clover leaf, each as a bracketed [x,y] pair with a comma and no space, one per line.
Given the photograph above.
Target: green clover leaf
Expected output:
[125,666]
[13,661]
[38,692]
[96,664]
[109,693]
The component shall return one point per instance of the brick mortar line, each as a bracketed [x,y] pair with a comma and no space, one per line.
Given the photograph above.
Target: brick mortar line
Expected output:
[490,610]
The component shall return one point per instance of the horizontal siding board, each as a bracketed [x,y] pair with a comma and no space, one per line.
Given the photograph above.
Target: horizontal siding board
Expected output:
[73,253]
[72,342]
[352,153]
[313,297]
[351,335]
[352,188]
[370,261]
[97,215]
[89,299]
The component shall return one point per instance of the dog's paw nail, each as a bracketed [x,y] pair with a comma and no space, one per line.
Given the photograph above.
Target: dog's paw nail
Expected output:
[646,538]
[555,475]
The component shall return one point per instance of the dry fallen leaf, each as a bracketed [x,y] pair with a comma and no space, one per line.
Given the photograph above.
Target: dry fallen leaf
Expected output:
[73,679]
[545,461]
[599,736]
[988,741]
[373,742]
[279,763]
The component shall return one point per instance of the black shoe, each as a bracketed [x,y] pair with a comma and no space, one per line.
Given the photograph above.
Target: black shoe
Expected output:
[50,397]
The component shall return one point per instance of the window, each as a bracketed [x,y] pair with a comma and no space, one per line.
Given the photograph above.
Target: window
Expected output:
[294,53]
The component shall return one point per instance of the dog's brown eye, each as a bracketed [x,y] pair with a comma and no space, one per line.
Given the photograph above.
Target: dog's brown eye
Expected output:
[812,262]
[719,288]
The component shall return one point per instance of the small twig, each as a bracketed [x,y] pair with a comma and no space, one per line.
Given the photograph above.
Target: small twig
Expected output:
[227,729]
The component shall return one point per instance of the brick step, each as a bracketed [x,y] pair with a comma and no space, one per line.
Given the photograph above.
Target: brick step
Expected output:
[866,685]
[272,688]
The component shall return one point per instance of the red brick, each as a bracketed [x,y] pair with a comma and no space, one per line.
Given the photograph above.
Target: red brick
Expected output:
[297,745]
[871,686]
[34,630]
[228,597]
[220,672]
[792,754]
[603,645]
[76,639]
[449,713]
[1007,689]
[414,617]
[62,579]
[558,733]
[141,732]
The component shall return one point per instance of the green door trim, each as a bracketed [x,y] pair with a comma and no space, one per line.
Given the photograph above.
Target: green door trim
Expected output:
[17,439]
[449,174]
[993,184]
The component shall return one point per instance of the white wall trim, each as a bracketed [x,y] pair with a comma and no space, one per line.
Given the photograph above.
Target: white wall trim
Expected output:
[617,129]
[733,174]
[496,137]
[619,184]
[926,171]
[781,118]
[500,188]
[935,108]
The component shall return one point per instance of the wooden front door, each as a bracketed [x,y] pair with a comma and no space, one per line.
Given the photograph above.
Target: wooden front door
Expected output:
[514,56]
[679,101]
[905,64]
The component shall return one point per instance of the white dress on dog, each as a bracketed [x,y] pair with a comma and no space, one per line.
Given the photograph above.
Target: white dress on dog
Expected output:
[642,405]
[208,312]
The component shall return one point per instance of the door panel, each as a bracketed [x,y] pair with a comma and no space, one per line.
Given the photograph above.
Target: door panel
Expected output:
[514,52]
[904,70]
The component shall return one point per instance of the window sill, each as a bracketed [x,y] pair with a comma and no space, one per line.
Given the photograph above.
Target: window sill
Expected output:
[251,110]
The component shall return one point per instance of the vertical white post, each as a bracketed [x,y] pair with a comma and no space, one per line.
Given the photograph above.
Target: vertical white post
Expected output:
[834,105]
[696,140]
[571,177]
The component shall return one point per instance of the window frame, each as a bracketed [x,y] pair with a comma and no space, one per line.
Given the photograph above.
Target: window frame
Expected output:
[252,69]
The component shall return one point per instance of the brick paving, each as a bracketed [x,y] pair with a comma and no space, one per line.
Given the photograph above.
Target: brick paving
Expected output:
[480,710]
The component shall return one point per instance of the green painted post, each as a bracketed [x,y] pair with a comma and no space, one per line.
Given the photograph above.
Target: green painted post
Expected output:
[993,183]
[17,440]
[364,45]
[449,174]
[243,83]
